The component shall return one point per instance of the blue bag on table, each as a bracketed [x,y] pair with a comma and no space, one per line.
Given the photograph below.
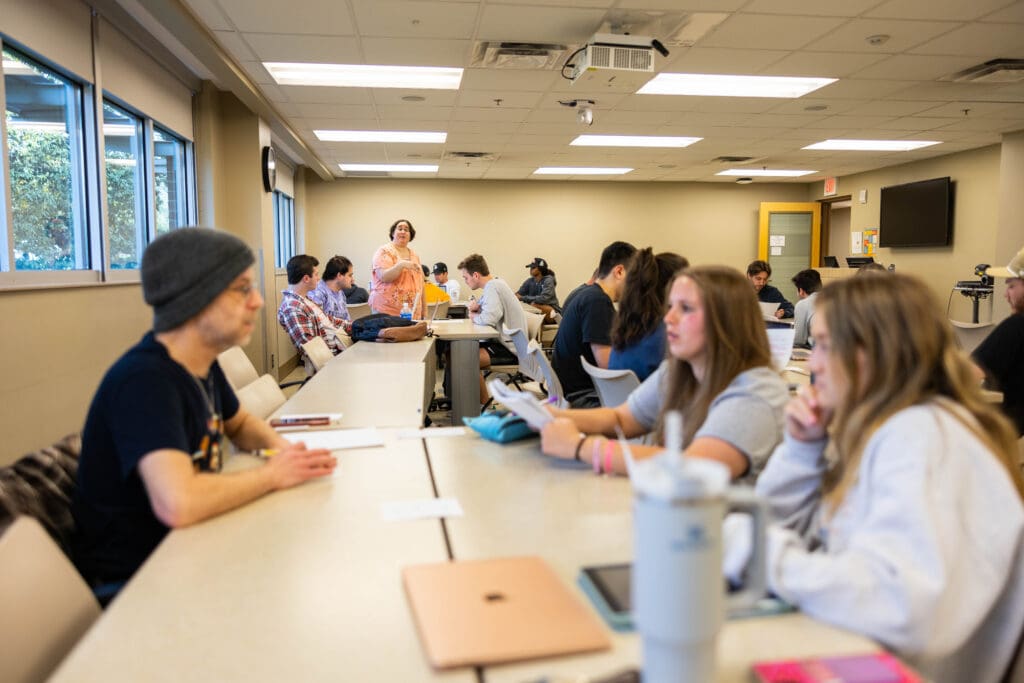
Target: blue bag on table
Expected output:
[500,426]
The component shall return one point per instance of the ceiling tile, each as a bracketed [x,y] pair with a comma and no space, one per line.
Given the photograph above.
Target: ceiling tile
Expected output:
[821,64]
[935,9]
[316,95]
[416,51]
[414,19]
[538,24]
[233,43]
[713,60]
[828,8]
[985,41]
[770,32]
[276,47]
[317,17]
[1013,14]
[852,36]
[915,68]
[509,79]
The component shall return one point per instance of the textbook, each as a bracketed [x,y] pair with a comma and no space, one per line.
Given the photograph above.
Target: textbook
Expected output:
[874,668]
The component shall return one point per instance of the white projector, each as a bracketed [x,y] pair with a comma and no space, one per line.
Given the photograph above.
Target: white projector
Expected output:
[619,62]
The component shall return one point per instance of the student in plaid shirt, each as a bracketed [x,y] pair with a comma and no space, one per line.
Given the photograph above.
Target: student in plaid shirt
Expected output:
[299,316]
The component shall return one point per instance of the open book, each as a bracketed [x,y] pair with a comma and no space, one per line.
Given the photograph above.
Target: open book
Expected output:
[523,404]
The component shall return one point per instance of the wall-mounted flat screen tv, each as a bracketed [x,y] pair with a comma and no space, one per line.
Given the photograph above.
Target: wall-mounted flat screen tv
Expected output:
[916,214]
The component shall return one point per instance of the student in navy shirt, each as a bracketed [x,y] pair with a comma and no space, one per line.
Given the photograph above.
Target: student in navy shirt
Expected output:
[153,440]
[759,273]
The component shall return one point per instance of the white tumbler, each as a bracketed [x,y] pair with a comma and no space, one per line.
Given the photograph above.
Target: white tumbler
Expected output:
[678,589]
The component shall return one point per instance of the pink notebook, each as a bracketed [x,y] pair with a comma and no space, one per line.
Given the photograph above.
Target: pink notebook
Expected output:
[876,668]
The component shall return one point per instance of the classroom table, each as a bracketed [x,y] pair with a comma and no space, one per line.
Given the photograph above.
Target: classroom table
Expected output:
[464,357]
[520,502]
[419,351]
[300,585]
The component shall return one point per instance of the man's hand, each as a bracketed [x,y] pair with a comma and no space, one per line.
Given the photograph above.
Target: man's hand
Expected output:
[806,418]
[474,306]
[296,464]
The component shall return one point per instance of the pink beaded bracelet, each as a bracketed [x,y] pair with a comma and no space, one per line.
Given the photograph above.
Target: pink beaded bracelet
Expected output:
[595,455]
[608,448]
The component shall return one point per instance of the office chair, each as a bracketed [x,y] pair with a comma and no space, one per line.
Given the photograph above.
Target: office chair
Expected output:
[262,397]
[237,367]
[357,311]
[48,605]
[613,386]
[316,354]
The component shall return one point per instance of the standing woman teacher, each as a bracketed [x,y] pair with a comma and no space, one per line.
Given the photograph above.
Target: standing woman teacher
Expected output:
[397,274]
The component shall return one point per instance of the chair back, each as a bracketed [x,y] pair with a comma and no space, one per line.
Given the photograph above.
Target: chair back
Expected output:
[527,363]
[438,311]
[262,397]
[969,335]
[47,605]
[357,311]
[237,367]
[317,352]
[534,322]
[613,386]
[554,387]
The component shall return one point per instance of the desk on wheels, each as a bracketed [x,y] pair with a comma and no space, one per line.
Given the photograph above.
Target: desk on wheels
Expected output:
[518,501]
[465,363]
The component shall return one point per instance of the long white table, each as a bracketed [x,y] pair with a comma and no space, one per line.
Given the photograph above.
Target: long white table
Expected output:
[419,351]
[518,501]
[465,363]
[301,585]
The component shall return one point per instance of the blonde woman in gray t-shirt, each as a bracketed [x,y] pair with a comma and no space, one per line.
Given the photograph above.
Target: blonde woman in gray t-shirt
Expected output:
[717,374]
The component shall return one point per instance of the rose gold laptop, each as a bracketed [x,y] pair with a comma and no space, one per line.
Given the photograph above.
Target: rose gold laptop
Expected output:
[479,612]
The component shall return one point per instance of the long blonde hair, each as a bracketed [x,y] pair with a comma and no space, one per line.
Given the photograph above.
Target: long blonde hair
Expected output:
[735,341]
[890,339]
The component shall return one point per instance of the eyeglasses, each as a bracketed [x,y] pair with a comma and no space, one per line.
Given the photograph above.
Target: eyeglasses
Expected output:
[245,290]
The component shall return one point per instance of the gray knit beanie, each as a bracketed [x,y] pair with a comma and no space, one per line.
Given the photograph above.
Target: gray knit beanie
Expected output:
[185,269]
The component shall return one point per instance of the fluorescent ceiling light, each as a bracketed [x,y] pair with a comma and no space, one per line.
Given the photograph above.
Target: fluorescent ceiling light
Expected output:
[632,141]
[365,75]
[873,145]
[380,136]
[394,168]
[712,85]
[579,170]
[765,172]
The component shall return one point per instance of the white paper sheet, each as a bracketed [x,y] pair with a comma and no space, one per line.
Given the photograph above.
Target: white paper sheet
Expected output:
[427,508]
[521,403]
[781,342]
[337,439]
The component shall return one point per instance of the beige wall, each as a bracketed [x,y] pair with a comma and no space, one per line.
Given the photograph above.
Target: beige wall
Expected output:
[58,344]
[567,223]
[976,175]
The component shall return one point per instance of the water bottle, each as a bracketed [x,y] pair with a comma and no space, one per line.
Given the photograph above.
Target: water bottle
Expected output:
[406,313]
[678,593]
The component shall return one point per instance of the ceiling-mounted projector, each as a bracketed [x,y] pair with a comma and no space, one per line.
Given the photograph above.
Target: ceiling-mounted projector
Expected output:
[619,62]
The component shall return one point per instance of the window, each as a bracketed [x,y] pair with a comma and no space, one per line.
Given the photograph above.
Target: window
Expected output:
[171,190]
[126,186]
[45,149]
[284,228]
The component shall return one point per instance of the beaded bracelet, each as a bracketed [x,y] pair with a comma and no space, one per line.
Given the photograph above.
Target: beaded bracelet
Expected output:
[579,445]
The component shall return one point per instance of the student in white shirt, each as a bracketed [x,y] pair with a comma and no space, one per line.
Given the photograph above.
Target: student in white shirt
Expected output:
[899,514]
[441,278]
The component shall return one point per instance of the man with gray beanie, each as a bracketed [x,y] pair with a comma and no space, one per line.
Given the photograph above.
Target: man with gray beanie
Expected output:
[153,440]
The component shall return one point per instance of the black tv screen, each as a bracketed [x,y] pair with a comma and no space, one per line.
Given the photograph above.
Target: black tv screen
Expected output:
[916,214]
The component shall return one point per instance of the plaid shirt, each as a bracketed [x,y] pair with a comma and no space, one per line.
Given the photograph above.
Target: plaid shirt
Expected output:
[302,320]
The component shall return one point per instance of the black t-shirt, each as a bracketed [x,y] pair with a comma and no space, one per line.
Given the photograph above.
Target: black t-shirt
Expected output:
[1001,354]
[146,402]
[586,320]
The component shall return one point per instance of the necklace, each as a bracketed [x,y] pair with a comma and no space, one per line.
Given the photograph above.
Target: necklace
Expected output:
[206,391]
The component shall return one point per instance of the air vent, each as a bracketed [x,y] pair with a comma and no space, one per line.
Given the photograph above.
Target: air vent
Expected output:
[504,55]
[996,71]
[470,156]
[735,160]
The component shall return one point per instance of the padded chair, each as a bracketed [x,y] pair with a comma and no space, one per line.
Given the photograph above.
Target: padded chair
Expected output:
[262,397]
[317,354]
[357,311]
[47,605]
[237,367]
[613,386]
[970,335]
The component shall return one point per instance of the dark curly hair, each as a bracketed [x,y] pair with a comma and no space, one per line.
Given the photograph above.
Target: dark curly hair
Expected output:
[412,230]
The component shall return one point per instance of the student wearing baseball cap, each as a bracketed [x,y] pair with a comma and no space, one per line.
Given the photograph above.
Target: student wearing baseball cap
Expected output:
[441,278]
[538,290]
[1001,354]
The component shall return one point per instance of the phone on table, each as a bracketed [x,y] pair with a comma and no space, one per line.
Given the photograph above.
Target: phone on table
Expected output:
[608,587]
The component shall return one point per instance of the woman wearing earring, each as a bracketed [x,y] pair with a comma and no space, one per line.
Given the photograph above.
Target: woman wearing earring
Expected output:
[718,375]
[899,506]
